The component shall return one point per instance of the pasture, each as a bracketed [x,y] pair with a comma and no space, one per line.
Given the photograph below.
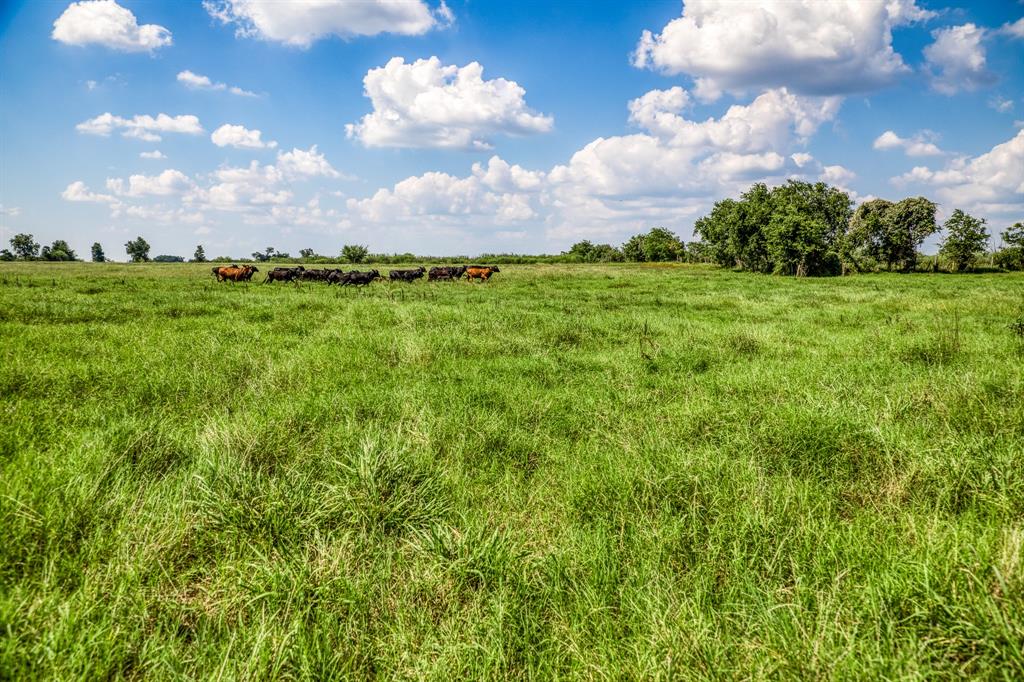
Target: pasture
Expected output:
[598,472]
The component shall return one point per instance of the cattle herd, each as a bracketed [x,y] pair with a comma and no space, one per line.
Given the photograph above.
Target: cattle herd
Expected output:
[244,273]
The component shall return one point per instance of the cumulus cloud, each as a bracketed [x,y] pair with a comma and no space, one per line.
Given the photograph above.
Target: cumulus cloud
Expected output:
[956,59]
[990,183]
[1013,29]
[155,154]
[428,104]
[920,144]
[169,182]
[305,163]
[141,127]
[241,137]
[617,185]
[78,191]
[810,47]
[104,22]
[12,211]
[195,81]
[302,23]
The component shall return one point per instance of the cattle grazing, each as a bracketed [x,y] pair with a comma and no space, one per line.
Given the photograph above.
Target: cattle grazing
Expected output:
[235,273]
[356,278]
[446,272]
[406,275]
[284,274]
[481,272]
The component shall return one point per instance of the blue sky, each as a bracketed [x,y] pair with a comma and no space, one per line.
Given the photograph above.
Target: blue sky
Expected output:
[469,127]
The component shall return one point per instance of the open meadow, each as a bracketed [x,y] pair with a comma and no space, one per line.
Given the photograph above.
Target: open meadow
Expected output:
[600,472]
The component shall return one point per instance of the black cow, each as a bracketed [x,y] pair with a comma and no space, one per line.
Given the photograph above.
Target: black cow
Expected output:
[446,272]
[284,274]
[359,279]
[406,275]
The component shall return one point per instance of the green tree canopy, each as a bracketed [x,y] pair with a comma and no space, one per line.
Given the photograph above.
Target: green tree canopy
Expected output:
[658,245]
[200,254]
[97,253]
[137,249]
[25,247]
[60,250]
[966,239]
[354,253]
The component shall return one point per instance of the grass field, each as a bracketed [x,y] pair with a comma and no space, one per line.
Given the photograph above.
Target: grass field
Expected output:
[587,472]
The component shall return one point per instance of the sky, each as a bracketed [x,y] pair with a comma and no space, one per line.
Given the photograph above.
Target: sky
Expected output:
[467,127]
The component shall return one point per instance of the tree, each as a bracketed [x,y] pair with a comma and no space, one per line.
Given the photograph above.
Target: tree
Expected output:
[25,247]
[97,253]
[200,255]
[1011,256]
[966,239]
[58,251]
[354,253]
[807,222]
[163,258]
[586,252]
[307,253]
[658,245]
[138,250]
[912,221]
[5,254]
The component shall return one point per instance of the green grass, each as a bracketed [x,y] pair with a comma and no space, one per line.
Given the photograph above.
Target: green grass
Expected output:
[585,472]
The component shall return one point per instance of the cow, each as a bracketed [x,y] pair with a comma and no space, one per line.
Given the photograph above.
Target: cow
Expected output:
[406,275]
[446,272]
[481,272]
[356,278]
[235,273]
[284,274]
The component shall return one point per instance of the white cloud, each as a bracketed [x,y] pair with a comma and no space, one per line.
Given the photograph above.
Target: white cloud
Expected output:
[427,104]
[12,211]
[104,22]
[302,23]
[615,186]
[142,127]
[77,191]
[169,182]
[195,81]
[240,137]
[155,154]
[956,59]
[920,144]
[308,163]
[1013,29]
[990,183]
[837,175]
[1001,104]
[810,47]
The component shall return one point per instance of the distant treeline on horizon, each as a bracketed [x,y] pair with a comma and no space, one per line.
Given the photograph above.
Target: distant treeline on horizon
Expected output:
[800,228]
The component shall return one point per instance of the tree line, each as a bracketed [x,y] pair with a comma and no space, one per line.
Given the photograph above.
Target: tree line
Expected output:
[798,228]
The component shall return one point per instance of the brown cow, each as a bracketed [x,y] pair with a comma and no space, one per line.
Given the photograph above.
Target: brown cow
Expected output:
[235,273]
[481,273]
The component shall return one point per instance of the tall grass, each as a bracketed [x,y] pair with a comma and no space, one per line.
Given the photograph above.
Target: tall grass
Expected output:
[571,471]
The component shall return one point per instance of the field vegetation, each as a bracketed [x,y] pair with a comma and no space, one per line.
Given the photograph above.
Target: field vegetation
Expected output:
[592,471]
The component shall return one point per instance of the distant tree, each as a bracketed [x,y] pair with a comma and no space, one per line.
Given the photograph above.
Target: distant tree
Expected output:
[587,252]
[807,222]
[25,247]
[966,239]
[163,258]
[138,250]
[200,255]
[58,251]
[354,253]
[5,254]
[911,222]
[658,245]
[1014,235]
[1011,255]
[307,253]
[97,253]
